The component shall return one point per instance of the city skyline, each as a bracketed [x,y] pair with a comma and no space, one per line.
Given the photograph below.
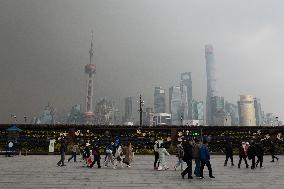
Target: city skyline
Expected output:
[43,52]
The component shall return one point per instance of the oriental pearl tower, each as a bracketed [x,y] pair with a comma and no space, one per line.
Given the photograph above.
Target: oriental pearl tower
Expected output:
[90,69]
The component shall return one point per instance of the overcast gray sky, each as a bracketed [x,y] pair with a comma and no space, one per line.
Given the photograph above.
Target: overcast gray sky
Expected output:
[138,44]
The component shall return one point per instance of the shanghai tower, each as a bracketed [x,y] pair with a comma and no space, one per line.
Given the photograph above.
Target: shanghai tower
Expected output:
[211,82]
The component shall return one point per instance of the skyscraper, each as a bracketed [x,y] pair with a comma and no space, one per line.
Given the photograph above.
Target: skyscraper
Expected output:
[159,100]
[211,81]
[90,69]
[258,112]
[198,111]
[246,110]
[176,105]
[232,109]
[186,89]
[128,109]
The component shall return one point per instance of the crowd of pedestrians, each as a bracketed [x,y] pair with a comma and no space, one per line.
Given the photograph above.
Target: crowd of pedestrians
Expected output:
[189,152]
[116,155]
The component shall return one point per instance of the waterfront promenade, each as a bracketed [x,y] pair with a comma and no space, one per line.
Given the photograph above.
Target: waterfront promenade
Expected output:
[42,172]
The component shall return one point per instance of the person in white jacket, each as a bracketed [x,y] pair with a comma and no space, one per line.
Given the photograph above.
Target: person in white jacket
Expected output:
[162,157]
[118,156]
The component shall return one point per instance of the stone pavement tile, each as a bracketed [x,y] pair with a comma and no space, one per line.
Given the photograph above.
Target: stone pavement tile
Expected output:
[42,172]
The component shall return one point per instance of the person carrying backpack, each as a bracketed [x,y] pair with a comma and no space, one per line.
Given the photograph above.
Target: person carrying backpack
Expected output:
[180,154]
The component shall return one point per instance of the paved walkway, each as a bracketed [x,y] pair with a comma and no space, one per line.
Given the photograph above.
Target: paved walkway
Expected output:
[42,172]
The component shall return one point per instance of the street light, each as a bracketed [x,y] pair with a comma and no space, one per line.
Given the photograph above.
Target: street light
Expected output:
[141,104]
[25,118]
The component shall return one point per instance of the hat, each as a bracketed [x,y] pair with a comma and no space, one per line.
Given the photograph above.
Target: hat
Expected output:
[247,142]
[87,144]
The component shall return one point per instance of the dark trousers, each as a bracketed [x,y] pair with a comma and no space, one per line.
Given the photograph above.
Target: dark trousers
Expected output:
[240,161]
[74,154]
[188,170]
[61,161]
[227,158]
[127,163]
[197,167]
[253,162]
[273,156]
[208,164]
[98,160]
[259,160]
[156,159]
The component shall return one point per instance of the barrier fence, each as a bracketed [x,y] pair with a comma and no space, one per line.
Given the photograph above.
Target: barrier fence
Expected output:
[36,138]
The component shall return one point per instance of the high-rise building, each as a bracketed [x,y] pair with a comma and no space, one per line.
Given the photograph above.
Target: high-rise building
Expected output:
[186,89]
[211,82]
[90,69]
[232,110]
[258,112]
[159,100]
[176,105]
[221,118]
[128,109]
[246,110]
[217,104]
[198,111]
[148,117]
[104,112]
[75,116]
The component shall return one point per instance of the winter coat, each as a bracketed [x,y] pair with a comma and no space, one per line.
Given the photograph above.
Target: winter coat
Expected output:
[180,151]
[63,148]
[242,152]
[86,152]
[118,153]
[259,149]
[187,152]
[272,148]
[162,155]
[96,153]
[229,149]
[204,153]
[128,154]
[251,151]
[195,150]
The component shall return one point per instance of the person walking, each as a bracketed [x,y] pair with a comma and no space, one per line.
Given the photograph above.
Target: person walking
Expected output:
[109,154]
[187,158]
[87,155]
[251,152]
[162,157]
[75,149]
[156,154]
[97,156]
[63,150]
[180,154]
[205,159]
[128,155]
[118,156]
[259,154]
[272,151]
[229,153]
[195,155]
[242,155]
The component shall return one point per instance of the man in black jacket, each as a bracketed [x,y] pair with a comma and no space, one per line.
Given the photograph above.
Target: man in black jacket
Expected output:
[188,159]
[272,151]
[229,153]
[251,154]
[259,153]
[63,149]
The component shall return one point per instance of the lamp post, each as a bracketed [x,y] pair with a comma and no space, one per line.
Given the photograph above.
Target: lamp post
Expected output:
[141,104]
[25,119]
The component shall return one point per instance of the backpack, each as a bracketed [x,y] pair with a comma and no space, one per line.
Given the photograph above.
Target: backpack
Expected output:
[180,151]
